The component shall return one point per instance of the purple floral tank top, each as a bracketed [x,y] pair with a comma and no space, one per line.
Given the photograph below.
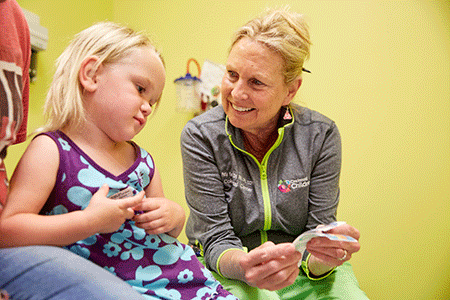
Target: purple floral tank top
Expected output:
[158,266]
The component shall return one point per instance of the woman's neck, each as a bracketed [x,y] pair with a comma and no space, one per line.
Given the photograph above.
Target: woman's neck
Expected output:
[259,144]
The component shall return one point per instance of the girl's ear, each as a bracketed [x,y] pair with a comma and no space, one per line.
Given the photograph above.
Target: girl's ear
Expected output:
[88,74]
[292,90]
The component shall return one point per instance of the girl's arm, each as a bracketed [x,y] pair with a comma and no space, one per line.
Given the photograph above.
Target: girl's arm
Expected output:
[32,183]
[161,214]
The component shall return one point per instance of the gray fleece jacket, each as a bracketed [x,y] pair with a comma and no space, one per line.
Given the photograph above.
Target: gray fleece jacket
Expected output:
[237,202]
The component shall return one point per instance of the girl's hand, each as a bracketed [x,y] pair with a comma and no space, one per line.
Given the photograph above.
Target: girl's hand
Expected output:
[109,214]
[161,215]
[271,266]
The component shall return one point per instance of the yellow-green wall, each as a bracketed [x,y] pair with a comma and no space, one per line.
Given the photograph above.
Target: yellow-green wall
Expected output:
[380,69]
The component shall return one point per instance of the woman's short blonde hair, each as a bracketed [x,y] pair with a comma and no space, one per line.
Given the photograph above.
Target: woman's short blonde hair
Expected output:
[109,42]
[284,32]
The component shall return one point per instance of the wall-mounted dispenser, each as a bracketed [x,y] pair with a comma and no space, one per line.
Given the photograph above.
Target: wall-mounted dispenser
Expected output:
[38,39]
[187,94]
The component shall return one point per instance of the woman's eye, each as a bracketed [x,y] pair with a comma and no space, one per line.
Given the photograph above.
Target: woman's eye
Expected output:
[256,82]
[232,74]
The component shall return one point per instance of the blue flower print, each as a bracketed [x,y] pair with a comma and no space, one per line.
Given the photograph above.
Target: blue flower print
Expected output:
[139,178]
[111,269]
[168,294]
[120,236]
[64,144]
[210,281]
[204,294]
[138,233]
[209,295]
[138,286]
[152,241]
[188,253]
[208,274]
[168,239]
[167,255]
[137,253]
[88,241]
[81,251]
[159,287]
[58,210]
[111,249]
[142,291]
[149,273]
[148,158]
[79,196]
[185,276]
[91,177]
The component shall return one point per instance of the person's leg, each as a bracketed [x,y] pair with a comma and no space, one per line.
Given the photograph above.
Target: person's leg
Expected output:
[44,272]
[341,284]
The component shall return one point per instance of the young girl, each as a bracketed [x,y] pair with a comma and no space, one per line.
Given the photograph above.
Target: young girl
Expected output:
[84,185]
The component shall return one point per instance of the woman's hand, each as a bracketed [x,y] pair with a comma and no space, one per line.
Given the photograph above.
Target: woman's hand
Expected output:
[327,254]
[161,215]
[271,266]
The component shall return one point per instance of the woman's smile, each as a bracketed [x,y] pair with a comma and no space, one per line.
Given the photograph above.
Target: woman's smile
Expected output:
[241,109]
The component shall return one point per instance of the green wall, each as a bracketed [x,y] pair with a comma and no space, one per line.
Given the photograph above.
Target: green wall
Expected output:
[380,69]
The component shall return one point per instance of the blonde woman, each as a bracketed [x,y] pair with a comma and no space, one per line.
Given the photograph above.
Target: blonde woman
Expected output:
[260,170]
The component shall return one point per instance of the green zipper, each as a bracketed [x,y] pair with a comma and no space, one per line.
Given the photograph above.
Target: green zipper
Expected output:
[263,177]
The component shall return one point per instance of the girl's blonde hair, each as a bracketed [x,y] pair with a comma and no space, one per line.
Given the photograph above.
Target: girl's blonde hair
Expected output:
[284,32]
[109,42]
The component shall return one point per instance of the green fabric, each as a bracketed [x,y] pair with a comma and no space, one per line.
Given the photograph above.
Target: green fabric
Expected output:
[308,274]
[242,290]
[341,284]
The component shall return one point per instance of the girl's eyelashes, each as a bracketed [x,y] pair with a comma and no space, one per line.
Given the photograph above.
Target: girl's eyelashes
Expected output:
[140,89]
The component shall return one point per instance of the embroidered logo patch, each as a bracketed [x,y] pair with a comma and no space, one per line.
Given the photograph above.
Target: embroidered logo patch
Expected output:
[284,186]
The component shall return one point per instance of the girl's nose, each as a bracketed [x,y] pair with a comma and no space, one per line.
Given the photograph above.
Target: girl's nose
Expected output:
[146,108]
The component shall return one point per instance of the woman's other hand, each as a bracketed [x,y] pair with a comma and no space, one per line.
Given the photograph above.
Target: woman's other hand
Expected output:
[327,254]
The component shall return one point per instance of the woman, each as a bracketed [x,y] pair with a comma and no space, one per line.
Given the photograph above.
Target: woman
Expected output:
[259,171]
